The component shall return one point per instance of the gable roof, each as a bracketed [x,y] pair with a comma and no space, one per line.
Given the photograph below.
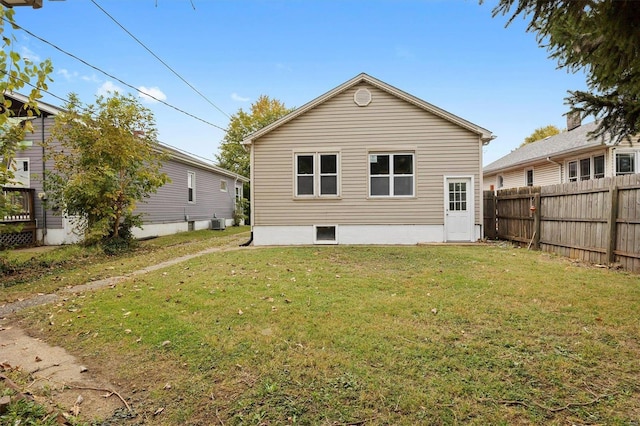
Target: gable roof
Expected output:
[565,143]
[43,107]
[485,135]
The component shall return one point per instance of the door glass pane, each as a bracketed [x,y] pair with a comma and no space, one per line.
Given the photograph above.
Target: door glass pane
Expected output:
[458,196]
[379,185]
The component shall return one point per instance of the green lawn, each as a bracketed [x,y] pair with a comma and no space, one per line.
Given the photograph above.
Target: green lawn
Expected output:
[363,335]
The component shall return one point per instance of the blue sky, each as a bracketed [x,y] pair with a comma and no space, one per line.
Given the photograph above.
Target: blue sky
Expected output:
[447,52]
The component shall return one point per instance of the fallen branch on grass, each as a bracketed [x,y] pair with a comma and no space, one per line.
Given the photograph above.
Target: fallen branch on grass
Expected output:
[109,391]
[544,407]
[11,385]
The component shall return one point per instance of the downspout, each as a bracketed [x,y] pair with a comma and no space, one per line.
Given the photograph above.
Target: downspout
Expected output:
[44,166]
[559,165]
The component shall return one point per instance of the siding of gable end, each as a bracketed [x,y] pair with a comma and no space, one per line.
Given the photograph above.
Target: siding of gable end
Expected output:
[388,123]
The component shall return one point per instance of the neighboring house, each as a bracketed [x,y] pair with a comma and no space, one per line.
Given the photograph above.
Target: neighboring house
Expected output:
[569,156]
[198,192]
[367,163]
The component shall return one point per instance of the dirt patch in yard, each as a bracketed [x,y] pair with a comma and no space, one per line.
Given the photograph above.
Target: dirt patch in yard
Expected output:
[56,378]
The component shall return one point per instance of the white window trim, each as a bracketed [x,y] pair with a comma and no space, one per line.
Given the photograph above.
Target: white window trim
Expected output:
[625,151]
[526,176]
[224,185]
[317,175]
[391,174]
[592,167]
[315,235]
[192,187]
[499,181]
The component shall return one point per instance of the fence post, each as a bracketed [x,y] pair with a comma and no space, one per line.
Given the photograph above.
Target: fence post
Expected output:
[612,222]
[536,221]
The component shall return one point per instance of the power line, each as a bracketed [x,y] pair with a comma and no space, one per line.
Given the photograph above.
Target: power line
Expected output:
[158,58]
[112,76]
[85,108]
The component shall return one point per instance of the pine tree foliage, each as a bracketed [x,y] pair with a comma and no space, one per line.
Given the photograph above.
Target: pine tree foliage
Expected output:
[601,38]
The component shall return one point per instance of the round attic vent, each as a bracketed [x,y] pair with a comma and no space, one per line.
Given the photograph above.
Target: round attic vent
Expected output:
[362,97]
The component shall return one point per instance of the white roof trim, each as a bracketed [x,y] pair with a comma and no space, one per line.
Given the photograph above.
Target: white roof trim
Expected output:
[485,135]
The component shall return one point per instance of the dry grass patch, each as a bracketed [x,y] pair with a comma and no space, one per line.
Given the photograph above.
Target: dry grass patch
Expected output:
[364,335]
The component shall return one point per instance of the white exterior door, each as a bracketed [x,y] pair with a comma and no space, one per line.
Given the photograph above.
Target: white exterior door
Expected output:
[459,208]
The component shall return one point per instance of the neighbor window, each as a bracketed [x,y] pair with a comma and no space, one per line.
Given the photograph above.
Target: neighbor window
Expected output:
[625,163]
[316,175]
[191,187]
[585,168]
[238,193]
[598,167]
[223,185]
[391,175]
[529,177]
[500,181]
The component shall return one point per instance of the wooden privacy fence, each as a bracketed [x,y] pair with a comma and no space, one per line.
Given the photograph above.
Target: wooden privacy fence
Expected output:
[597,221]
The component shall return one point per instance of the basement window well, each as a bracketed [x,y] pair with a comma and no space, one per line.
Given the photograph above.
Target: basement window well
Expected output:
[325,234]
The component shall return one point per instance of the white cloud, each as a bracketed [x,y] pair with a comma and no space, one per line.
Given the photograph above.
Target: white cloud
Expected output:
[239,98]
[67,74]
[153,91]
[26,53]
[108,88]
[91,78]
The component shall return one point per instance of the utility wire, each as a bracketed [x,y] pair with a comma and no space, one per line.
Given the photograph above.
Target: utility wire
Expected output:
[158,58]
[86,109]
[112,76]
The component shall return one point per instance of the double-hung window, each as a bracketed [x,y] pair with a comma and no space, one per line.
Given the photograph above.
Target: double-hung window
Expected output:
[625,163]
[391,175]
[585,168]
[317,175]
[191,187]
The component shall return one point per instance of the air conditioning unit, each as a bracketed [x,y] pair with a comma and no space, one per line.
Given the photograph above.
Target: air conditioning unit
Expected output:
[218,223]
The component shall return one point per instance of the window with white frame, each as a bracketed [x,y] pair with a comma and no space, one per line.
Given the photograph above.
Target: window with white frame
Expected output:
[317,175]
[191,187]
[585,168]
[223,185]
[391,175]
[529,177]
[625,163]
[598,167]
[325,234]
[500,181]
[238,193]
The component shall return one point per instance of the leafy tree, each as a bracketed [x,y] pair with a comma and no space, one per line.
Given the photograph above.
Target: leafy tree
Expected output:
[232,155]
[601,38]
[106,159]
[15,73]
[541,133]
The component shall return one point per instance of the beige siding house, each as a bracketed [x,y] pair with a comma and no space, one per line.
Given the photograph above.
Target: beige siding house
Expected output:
[366,163]
[570,156]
